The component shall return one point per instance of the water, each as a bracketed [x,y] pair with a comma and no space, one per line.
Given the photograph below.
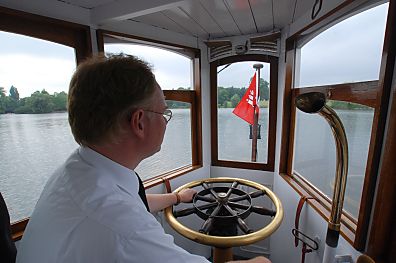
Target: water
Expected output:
[32,146]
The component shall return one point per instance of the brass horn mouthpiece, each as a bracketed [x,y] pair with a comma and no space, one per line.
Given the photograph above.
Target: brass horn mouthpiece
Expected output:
[311,102]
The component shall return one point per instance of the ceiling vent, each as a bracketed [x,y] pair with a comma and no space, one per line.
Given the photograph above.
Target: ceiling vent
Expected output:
[219,49]
[266,44]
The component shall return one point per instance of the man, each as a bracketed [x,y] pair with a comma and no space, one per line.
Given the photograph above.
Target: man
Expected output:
[93,208]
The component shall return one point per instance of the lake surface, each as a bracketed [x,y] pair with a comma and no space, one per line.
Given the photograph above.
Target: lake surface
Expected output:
[32,146]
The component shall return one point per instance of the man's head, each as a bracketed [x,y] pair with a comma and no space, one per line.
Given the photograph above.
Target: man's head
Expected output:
[102,94]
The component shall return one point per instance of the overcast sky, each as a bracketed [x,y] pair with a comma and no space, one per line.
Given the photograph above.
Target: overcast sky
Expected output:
[352,53]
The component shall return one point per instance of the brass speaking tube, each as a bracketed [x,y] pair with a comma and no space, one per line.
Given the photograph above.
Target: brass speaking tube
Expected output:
[315,102]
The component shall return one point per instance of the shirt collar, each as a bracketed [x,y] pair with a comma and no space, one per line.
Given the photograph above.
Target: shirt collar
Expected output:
[121,175]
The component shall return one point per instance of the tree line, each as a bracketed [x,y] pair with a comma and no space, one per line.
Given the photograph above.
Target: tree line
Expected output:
[38,102]
[43,102]
[231,96]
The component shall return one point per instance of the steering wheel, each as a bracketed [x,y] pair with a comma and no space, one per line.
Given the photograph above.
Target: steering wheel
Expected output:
[226,204]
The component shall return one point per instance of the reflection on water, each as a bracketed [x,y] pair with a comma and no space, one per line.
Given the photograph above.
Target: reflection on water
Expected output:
[32,146]
[233,137]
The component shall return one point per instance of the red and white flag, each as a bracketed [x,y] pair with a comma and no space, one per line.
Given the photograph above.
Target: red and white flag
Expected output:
[248,104]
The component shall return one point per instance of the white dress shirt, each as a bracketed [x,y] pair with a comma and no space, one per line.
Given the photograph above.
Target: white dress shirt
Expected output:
[90,211]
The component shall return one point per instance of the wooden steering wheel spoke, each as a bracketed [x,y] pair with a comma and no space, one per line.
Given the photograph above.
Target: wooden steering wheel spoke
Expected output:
[242,224]
[208,224]
[234,185]
[192,210]
[256,209]
[205,198]
[212,192]
[254,194]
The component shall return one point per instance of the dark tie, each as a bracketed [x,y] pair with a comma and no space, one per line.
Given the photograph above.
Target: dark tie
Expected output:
[142,193]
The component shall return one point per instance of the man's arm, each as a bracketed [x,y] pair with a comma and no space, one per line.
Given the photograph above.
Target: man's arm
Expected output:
[158,202]
[253,260]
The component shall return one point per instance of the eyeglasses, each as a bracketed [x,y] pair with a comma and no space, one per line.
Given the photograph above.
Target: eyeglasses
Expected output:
[167,114]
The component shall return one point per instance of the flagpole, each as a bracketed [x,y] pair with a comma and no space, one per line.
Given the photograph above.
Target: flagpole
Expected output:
[257,67]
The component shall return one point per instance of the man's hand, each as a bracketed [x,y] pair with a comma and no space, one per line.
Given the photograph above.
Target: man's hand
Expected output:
[186,195]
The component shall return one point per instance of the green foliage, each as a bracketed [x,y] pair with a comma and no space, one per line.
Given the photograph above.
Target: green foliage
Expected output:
[342,105]
[59,100]
[264,89]
[2,92]
[230,97]
[38,102]
[177,104]
[14,93]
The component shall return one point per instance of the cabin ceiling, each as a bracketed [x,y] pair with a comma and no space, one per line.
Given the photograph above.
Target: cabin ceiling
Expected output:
[206,19]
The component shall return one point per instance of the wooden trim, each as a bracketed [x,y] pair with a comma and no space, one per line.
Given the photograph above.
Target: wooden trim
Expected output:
[313,189]
[66,33]
[187,96]
[169,175]
[197,112]
[273,112]
[273,61]
[18,228]
[377,133]
[321,206]
[241,165]
[364,93]
[102,33]
[213,115]
[383,222]
[370,93]
[287,140]
[382,241]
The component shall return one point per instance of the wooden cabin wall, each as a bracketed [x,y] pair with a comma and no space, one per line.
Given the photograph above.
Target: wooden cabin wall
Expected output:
[63,11]
[311,223]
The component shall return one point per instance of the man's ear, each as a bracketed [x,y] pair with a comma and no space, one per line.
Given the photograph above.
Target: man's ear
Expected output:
[136,123]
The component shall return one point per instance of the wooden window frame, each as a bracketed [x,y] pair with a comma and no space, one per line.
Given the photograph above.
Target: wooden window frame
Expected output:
[273,61]
[58,31]
[370,93]
[193,97]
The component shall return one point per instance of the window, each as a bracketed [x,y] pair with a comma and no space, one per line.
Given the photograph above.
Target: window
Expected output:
[315,152]
[233,143]
[36,63]
[347,71]
[38,118]
[176,70]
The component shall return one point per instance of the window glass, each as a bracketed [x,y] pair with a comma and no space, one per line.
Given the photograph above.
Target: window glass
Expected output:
[173,72]
[234,133]
[35,136]
[315,150]
[354,54]
[176,148]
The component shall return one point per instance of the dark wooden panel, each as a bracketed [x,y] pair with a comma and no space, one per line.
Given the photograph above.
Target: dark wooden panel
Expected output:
[382,241]
[62,32]
[269,166]
[285,165]
[377,133]
[359,92]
